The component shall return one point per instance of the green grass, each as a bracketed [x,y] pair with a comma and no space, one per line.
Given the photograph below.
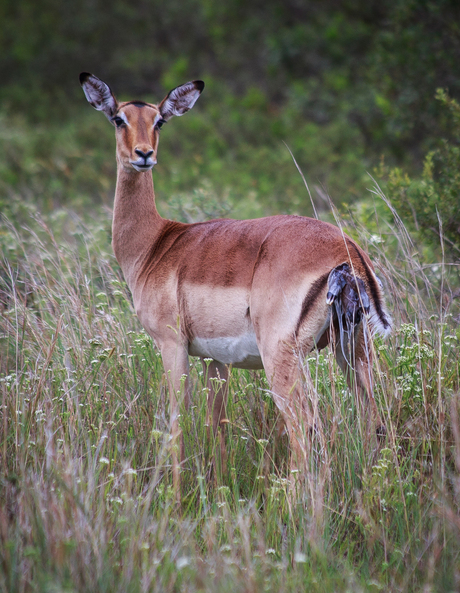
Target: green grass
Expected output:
[86,500]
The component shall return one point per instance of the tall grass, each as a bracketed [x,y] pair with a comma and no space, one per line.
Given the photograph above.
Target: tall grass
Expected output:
[86,500]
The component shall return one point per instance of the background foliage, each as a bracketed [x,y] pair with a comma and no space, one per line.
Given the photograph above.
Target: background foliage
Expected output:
[343,83]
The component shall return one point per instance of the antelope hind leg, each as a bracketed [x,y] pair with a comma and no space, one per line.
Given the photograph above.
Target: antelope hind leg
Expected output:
[356,365]
[284,375]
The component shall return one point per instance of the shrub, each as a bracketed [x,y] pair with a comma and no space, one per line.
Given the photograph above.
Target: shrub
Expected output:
[429,205]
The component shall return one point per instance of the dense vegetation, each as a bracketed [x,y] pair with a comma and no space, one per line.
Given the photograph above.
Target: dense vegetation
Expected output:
[342,83]
[353,88]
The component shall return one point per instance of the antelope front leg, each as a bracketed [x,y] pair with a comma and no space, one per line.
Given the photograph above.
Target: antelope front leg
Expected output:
[216,375]
[175,362]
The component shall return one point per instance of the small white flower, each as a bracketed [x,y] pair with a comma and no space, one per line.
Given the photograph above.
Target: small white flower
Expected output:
[182,562]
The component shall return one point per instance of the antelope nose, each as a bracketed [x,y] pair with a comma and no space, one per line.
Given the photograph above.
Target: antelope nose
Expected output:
[142,154]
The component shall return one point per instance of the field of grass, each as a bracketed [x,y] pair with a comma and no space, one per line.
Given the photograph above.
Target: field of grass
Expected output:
[86,500]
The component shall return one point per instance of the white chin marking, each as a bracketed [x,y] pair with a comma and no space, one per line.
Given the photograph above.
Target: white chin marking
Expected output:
[142,169]
[239,351]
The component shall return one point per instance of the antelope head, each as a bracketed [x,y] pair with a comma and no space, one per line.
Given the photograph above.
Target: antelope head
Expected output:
[137,124]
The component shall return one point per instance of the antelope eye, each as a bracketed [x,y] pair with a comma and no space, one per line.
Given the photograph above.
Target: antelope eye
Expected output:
[159,123]
[118,121]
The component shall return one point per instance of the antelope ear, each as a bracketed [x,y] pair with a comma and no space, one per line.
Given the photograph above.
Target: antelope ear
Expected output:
[98,94]
[181,99]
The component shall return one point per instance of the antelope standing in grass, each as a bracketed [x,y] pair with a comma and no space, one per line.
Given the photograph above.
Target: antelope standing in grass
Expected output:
[250,294]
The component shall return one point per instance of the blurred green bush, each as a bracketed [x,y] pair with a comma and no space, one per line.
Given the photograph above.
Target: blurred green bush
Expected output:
[342,83]
[430,204]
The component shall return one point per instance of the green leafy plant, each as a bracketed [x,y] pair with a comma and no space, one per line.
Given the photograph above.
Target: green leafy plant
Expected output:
[429,205]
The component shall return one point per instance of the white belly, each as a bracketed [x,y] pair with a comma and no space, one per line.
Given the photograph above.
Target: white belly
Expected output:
[239,351]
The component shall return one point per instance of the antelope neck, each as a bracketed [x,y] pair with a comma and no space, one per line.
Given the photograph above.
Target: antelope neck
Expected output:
[136,221]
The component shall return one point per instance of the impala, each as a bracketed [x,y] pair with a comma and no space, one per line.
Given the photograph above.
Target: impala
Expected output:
[250,294]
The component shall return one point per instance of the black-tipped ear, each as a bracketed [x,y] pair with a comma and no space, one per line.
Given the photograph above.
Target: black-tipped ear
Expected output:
[84,77]
[98,94]
[181,99]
